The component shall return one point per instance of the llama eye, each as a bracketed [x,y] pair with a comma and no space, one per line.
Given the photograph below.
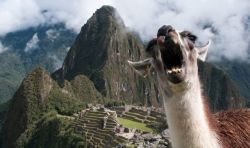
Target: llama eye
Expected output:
[188,35]
[192,38]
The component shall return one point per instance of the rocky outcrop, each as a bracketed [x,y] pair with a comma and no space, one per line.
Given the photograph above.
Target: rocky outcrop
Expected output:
[151,140]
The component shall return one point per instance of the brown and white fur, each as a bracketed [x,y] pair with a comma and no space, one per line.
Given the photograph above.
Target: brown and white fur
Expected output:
[191,125]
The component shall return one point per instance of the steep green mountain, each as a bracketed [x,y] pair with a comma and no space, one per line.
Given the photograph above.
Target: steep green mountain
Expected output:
[43,45]
[40,94]
[51,131]
[101,50]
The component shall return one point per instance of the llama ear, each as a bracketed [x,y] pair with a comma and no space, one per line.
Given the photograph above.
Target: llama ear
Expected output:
[143,67]
[202,51]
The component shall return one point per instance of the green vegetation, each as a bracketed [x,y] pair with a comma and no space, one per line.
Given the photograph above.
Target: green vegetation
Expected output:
[132,124]
[65,104]
[84,89]
[158,127]
[40,94]
[51,132]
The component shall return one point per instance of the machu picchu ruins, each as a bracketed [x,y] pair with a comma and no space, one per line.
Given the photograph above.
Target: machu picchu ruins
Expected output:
[101,127]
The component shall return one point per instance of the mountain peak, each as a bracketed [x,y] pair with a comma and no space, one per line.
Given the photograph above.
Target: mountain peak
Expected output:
[103,45]
[106,9]
[92,41]
[104,17]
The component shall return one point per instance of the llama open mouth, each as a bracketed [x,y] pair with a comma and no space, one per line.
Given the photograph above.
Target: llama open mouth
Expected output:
[174,64]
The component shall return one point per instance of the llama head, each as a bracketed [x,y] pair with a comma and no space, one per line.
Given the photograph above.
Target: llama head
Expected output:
[173,56]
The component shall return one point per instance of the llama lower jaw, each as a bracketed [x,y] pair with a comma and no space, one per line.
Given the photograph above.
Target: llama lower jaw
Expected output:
[176,74]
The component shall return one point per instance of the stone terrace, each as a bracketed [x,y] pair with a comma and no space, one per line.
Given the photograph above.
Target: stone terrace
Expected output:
[140,114]
[90,123]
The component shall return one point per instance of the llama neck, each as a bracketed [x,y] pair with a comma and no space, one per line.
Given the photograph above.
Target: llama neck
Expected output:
[188,124]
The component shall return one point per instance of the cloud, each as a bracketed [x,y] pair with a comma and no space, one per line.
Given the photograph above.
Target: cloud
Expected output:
[224,21]
[74,13]
[57,63]
[67,49]
[19,14]
[52,34]
[32,44]
[2,48]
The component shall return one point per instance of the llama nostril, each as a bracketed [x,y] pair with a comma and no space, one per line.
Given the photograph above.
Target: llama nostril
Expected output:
[170,29]
[164,30]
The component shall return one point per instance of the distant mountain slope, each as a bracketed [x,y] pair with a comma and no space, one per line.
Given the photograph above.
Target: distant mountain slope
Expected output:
[44,45]
[11,74]
[239,72]
[221,91]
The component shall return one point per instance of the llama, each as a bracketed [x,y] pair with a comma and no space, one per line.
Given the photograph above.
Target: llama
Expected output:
[174,59]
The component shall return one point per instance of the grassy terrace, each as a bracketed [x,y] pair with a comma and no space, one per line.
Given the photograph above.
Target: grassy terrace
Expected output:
[133,124]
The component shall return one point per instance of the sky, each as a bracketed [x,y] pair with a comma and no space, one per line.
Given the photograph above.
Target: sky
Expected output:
[226,22]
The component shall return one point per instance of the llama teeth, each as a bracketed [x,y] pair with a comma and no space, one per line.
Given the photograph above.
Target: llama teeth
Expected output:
[174,70]
[169,71]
